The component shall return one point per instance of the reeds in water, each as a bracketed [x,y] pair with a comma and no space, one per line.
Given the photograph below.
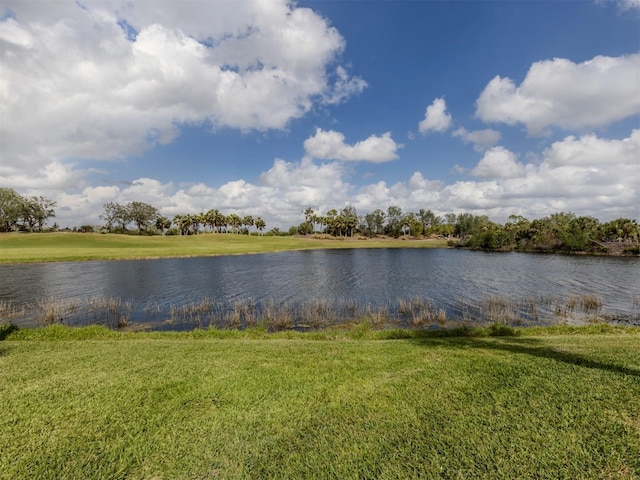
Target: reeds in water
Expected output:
[9,311]
[110,311]
[500,309]
[199,313]
[56,310]
[273,314]
[591,303]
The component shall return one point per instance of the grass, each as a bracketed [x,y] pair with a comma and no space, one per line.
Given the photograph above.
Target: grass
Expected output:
[63,246]
[273,314]
[498,402]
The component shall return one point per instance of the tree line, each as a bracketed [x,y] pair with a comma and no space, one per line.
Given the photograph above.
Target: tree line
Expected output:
[24,213]
[147,219]
[562,231]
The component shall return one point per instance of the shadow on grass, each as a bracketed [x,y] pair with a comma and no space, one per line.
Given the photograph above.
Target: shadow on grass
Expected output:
[530,346]
[6,329]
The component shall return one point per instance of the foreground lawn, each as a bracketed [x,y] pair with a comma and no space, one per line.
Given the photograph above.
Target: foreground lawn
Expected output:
[90,403]
[45,247]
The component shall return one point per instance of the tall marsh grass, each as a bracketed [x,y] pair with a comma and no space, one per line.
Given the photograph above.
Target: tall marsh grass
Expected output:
[315,314]
[112,312]
[9,311]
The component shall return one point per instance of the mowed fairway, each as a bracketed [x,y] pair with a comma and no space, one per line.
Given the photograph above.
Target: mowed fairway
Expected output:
[92,403]
[46,247]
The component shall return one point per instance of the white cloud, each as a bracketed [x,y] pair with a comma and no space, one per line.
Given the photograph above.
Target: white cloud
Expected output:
[588,175]
[344,87]
[51,177]
[280,196]
[498,162]
[561,93]
[630,4]
[623,4]
[481,139]
[77,83]
[436,117]
[330,145]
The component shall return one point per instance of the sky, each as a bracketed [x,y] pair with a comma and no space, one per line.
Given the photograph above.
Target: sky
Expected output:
[268,107]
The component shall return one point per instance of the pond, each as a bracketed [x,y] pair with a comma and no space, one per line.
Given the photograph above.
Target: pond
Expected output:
[311,289]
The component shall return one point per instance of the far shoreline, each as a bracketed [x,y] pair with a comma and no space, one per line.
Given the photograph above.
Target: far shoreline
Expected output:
[17,248]
[21,247]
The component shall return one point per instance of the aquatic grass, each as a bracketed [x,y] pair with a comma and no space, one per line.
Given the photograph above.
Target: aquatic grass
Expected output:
[428,314]
[152,309]
[571,303]
[11,311]
[274,314]
[111,311]
[356,403]
[591,303]
[499,309]
[56,310]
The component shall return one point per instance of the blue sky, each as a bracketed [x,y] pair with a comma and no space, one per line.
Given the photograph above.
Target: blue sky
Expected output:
[269,107]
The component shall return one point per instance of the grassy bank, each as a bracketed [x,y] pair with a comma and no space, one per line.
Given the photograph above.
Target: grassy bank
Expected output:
[95,403]
[45,247]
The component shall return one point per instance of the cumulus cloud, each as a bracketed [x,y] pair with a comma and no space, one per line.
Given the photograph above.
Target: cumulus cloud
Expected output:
[591,175]
[588,175]
[280,195]
[558,92]
[498,162]
[110,79]
[436,117]
[481,139]
[330,145]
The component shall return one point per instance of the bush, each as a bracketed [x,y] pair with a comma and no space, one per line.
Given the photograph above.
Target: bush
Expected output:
[502,330]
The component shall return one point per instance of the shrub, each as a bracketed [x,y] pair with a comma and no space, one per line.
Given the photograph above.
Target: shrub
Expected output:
[502,330]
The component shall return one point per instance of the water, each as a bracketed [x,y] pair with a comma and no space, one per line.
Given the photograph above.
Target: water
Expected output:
[459,282]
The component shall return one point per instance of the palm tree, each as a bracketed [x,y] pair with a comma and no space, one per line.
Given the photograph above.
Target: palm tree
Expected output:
[163,223]
[309,216]
[181,222]
[219,221]
[196,221]
[260,224]
[430,222]
[349,219]
[223,221]
[248,221]
[234,221]
[321,221]
[210,219]
[330,221]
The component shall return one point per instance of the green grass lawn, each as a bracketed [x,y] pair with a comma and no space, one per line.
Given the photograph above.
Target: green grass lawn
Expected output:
[44,247]
[92,403]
